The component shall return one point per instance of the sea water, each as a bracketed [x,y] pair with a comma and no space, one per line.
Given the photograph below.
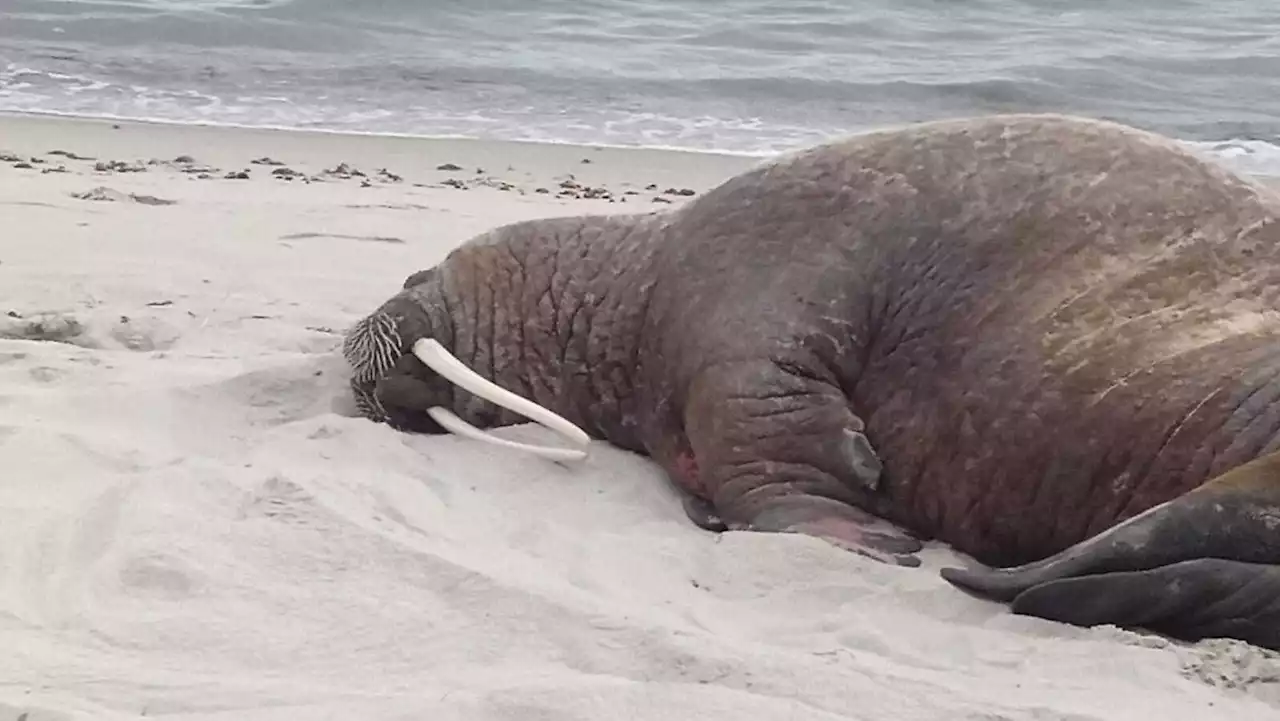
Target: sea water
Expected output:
[743,76]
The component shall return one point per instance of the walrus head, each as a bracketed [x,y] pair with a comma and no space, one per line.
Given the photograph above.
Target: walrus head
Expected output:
[387,350]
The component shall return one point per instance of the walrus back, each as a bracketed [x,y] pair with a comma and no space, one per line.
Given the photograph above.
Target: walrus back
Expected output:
[980,281]
[1080,281]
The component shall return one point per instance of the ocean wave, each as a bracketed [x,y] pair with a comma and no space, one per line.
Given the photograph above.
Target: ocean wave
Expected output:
[741,136]
[1254,157]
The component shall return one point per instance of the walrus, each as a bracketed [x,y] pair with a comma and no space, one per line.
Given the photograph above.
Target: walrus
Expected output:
[1051,342]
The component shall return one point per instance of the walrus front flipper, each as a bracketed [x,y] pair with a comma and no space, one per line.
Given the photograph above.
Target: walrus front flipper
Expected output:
[839,524]
[1211,557]
[780,450]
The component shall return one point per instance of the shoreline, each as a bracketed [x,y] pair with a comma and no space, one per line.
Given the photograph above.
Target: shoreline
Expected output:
[525,165]
[739,160]
[106,118]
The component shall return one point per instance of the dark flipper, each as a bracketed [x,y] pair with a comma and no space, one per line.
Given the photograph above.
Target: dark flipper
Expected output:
[842,525]
[1205,563]
[1204,598]
[782,452]
[703,514]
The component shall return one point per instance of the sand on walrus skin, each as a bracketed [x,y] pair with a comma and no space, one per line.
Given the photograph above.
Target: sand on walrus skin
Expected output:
[193,526]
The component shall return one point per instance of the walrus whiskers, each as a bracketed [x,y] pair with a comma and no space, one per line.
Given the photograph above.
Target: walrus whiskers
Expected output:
[372,347]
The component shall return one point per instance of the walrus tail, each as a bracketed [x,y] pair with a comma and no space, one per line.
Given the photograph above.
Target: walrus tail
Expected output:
[1205,564]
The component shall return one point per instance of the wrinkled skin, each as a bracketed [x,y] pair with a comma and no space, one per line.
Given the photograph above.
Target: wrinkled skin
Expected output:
[1012,334]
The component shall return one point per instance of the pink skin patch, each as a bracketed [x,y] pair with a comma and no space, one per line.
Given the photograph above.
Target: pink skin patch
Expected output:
[853,536]
[686,473]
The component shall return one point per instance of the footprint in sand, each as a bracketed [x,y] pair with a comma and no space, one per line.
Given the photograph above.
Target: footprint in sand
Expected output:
[281,393]
[104,194]
[46,328]
[281,500]
[46,374]
[144,334]
[23,713]
[136,334]
[159,575]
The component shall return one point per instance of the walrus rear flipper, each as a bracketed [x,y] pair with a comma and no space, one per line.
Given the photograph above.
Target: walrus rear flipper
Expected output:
[1204,564]
[1191,600]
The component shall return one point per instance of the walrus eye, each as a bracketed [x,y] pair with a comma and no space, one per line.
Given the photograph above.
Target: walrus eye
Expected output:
[435,357]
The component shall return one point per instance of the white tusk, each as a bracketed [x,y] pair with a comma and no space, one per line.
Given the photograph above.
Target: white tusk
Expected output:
[454,424]
[430,352]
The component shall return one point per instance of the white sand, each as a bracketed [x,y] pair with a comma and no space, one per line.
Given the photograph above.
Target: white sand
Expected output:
[191,528]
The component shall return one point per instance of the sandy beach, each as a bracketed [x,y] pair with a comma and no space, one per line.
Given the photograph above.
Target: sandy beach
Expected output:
[192,525]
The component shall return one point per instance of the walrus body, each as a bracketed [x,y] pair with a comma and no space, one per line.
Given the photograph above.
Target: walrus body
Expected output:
[1014,334]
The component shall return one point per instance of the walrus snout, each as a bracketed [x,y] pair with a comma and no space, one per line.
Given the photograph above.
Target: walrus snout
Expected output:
[402,400]
[393,363]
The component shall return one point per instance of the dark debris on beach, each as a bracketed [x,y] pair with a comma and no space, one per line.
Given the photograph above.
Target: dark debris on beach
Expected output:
[566,187]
